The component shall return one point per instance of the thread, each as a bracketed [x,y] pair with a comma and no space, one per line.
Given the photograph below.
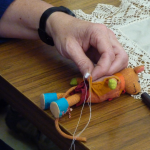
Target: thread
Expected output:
[87,75]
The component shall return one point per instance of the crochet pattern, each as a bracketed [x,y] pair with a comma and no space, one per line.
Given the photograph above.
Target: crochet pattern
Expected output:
[115,18]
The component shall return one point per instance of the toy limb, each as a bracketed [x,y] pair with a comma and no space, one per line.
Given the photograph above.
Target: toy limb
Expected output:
[74,99]
[139,69]
[60,107]
[59,95]
[83,139]
[47,98]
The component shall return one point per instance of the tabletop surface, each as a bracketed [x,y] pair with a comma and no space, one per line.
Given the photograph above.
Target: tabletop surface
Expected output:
[30,68]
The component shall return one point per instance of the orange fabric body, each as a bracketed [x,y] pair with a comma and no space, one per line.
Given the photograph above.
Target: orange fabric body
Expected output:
[100,90]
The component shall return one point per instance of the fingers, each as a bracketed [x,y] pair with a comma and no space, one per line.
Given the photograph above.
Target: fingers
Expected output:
[120,62]
[77,54]
[121,57]
[102,67]
[75,41]
[113,56]
[101,41]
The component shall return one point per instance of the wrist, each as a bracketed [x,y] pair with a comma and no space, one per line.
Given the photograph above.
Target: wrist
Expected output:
[55,20]
[46,22]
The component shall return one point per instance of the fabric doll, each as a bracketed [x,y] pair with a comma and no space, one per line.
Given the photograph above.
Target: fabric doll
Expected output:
[105,88]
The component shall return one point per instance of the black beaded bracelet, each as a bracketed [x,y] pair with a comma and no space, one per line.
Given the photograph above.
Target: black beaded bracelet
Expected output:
[42,25]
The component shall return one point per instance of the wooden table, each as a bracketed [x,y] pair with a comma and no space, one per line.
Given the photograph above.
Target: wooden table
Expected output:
[30,68]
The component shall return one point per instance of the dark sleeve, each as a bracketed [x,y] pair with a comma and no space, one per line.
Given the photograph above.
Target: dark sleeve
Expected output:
[3,6]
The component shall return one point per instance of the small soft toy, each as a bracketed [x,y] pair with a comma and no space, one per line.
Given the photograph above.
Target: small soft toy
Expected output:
[105,88]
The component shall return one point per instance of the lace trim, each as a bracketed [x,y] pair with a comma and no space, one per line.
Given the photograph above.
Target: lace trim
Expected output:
[129,11]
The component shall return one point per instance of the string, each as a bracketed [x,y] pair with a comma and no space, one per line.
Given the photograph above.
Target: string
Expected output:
[73,141]
[89,104]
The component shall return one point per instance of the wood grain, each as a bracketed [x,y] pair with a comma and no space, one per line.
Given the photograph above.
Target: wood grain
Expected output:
[30,68]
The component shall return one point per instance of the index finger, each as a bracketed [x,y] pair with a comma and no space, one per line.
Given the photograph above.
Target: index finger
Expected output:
[105,49]
[103,66]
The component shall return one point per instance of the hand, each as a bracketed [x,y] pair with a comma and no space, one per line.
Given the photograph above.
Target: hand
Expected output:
[85,42]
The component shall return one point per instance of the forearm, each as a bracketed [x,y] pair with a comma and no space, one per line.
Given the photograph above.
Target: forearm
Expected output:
[21,19]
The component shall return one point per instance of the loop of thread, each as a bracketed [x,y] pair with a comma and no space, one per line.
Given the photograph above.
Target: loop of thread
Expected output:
[89,103]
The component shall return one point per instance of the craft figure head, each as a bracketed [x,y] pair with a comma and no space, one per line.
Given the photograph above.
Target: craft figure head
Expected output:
[132,83]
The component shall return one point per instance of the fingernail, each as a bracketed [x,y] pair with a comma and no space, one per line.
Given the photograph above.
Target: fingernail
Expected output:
[87,75]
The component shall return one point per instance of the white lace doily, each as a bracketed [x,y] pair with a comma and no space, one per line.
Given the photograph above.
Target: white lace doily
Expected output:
[122,20]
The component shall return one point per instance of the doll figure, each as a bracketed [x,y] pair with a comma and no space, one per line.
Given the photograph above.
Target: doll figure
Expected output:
[105,88]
